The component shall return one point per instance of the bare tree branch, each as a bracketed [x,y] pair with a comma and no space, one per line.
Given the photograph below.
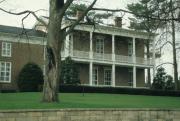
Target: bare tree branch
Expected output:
[79,19]
[164,64]
[26,12]
[66,5]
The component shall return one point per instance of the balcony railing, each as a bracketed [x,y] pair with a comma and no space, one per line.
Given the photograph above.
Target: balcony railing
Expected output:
[108,57]
[123,59]
[103,57]
[80,54]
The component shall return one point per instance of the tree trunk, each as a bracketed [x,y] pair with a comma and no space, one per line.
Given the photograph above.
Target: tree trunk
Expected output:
[53,57]
[174,50]
[174,57]
[148,71]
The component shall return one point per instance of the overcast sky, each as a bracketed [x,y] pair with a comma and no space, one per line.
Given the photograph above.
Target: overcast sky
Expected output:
[20,5]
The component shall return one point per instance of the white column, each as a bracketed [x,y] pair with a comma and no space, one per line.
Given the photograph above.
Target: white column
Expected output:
[134,50]
[134,76]
[154,65]
[113,75]
[113,48]
[66,46]
[71,46]
[91,46]
[90,73]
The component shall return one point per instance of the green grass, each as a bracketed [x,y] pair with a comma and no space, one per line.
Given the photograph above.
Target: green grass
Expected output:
[77,100]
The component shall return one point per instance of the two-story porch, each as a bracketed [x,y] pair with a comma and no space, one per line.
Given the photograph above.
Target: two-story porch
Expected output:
[109,57]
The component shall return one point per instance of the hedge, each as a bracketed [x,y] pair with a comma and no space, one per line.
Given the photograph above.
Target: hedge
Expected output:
[116,90]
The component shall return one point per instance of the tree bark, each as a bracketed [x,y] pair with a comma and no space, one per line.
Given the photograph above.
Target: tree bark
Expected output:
[174,57]
[174,50]
[53,57]
[148,71]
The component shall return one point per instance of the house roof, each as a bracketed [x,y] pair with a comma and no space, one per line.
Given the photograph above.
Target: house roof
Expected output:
[21,31]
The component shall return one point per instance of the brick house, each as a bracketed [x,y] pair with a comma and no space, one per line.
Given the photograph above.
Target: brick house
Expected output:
[16,50]
[104,55]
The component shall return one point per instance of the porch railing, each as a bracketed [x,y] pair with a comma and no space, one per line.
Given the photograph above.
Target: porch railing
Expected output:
[103,57]
[108,57]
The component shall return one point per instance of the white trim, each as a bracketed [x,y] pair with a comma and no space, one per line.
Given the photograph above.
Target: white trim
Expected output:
[4,50]
[90,73]
[113,75]
[10,69]
[15,38]
[116,31]
[134,77]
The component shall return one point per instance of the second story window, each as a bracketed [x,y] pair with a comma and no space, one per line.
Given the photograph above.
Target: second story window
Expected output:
[100,45]
[6,49]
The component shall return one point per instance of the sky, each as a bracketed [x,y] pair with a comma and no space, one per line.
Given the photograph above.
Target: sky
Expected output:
[20,5]
[33,5]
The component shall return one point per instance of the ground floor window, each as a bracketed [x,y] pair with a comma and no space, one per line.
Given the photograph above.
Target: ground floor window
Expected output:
[107,76]
[5,71]
[95,76]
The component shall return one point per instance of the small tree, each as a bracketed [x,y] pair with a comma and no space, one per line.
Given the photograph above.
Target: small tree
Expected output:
[169,85]
[30,77]
[159,79]
[69,72]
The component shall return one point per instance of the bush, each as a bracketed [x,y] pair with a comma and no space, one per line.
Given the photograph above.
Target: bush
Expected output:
[30,77]
[69,72]
[159,79]
[169,84]
[116,90]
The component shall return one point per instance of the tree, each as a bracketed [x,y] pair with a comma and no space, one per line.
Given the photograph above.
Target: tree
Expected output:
[56,35]
[159,79]
[169,84]
[161,9]
[69,72]
[30,77]
[162,80]
[145,23]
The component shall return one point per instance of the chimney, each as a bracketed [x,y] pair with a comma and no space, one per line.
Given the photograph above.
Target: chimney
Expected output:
[79,14]
[118,22]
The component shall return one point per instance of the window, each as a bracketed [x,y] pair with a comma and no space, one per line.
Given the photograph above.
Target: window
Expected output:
[5,71]
[100,45]
[130,48]
[95,76]
[6,49]
[130,81]
[107,76]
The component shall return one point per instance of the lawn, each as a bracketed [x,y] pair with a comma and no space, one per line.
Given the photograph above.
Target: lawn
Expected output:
[77,100]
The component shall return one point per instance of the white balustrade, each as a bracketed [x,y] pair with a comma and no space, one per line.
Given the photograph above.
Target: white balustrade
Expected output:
[123,59]
[80,54]
[104,57]
[108,58]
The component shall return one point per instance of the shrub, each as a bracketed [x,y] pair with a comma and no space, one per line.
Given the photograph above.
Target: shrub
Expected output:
[159,79]
[169,84]
[116,90]
[30,77]
[69,72]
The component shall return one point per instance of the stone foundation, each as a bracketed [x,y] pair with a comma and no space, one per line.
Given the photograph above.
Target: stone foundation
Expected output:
[91,115]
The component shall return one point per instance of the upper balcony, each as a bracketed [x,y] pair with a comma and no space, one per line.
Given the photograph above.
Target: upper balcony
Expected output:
[106,48]
[109,58]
